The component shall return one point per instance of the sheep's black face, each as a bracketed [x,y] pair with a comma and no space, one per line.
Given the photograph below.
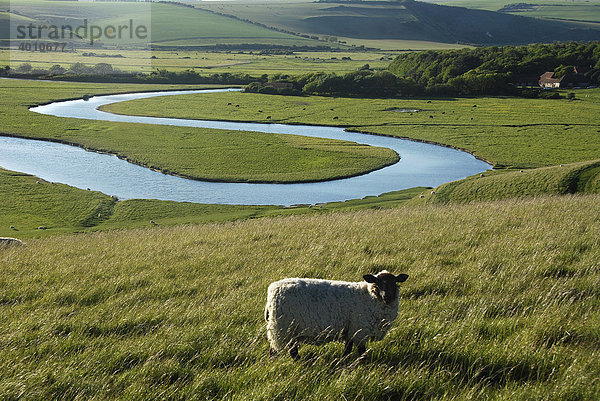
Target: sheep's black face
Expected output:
[386,287]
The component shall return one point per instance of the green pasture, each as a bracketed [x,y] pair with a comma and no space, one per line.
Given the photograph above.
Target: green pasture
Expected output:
[508,132]
[501,303]
[193,27]
[207,154]
[583,13]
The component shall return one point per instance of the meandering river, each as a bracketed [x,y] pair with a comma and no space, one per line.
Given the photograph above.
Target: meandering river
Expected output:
[421,164]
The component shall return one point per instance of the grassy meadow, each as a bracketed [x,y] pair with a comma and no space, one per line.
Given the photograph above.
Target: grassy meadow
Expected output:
[501,303]
[508,132]
[32,207]
[191,152]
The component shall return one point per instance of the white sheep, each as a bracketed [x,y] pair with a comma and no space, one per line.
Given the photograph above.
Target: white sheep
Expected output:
[311,311]
[6,241]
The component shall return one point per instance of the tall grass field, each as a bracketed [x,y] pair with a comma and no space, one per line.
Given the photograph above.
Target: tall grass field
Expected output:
[502,303]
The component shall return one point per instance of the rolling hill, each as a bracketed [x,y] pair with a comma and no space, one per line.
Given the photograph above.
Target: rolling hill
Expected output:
[169,24]
[407,20]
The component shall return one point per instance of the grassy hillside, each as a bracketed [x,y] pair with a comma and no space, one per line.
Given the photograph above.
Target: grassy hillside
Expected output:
[501,303]
[515,132]
[583,177]
[170,24]
[407,20]
[192,152]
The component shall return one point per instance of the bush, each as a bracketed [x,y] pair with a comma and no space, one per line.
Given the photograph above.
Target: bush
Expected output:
[549,95]
[24,68]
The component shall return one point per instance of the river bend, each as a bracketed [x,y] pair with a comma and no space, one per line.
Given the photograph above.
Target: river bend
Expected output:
[420,164]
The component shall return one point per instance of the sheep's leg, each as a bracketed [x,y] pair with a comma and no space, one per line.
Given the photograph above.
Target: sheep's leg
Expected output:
[294,352]
[348,348]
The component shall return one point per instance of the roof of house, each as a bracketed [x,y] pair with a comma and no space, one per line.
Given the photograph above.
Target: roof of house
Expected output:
[548,78]
[574,77]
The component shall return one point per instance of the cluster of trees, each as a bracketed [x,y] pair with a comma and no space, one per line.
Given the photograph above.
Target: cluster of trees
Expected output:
[480,71]
[58,70]
[366,83]
[104,72]
[493,70]
[193,77]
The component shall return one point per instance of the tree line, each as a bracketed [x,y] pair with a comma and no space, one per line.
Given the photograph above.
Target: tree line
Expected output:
[362,83]
[465,72]
[104,72]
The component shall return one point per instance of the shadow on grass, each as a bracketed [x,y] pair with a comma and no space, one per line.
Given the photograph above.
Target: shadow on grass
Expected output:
[470,368]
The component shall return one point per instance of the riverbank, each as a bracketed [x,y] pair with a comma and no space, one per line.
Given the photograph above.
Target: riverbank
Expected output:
[30,203]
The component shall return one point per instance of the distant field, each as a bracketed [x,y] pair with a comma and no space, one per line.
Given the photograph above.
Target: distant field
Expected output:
[509,132]
[400,45]
[584,13]
[204,62]
[233,156]
[310,18]
[194,28]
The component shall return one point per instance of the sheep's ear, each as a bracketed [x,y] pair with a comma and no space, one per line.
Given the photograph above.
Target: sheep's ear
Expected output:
[369,278]
[400,278]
